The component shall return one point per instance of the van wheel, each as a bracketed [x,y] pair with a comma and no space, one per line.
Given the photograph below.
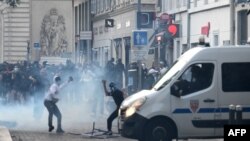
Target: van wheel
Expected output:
[158,130]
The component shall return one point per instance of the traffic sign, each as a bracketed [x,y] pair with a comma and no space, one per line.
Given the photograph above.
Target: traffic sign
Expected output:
[36,45]
[138,55]
[165,17]
[140,38]
[109,22]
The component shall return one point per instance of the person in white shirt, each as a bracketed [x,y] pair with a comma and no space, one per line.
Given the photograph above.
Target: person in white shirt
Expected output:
[163,68]
[51,98]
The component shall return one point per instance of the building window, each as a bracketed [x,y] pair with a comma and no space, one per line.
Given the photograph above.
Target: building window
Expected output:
[195,78]
[178,4]
[235,77]
[101,29]
[243,25]
[102,5]
[118,26]
[178,49]
[108,4]
[184,2]
[184,48]
[93,6]
[95,31]
[97,6]
[113,4]
[106,29]
[122,3]
[170,5]
[81,16]
[205,1]
[76,18]
[216,39]
[159,4]
[118,3]
[195,3]
[86,18]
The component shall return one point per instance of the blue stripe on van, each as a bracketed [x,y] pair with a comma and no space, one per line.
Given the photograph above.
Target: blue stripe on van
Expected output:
[212,110]
[208,110]
[181,111]
[224,110]
[246,109]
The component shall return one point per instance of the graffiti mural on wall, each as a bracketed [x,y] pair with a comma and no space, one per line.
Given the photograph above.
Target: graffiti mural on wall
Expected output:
[53,37]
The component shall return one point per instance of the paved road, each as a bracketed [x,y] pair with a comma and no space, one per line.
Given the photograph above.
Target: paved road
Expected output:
[45,136]
[18,135]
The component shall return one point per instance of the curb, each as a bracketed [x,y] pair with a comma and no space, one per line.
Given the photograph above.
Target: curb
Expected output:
[4,134]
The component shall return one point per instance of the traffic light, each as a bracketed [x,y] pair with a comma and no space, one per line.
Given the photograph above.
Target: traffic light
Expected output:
[173,30]
[145,19]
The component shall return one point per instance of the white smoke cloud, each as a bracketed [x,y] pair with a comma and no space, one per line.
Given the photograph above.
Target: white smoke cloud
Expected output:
[81,104]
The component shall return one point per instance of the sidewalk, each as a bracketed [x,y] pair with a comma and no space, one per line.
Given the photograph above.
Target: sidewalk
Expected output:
[4,134]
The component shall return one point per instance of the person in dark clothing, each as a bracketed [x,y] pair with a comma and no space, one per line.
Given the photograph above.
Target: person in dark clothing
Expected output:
[110,70]
[118,98]
[144,72]
[38,90]
[119,70]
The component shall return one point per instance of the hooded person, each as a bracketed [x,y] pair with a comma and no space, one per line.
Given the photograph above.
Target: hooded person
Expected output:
[151,78]
[118,98]
[51,98]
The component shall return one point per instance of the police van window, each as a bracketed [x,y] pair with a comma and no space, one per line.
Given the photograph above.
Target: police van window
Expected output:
[195,78]
[236,77]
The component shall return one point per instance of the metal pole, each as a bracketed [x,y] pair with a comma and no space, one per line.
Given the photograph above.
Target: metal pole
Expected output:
[188,25]
[231,114]
[159,54]
[232,22]
[139,61]
[139,6]
[28,51]
[238,114]
[75,52]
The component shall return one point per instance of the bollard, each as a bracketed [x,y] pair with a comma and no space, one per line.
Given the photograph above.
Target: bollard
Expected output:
[238,114]
[231,114]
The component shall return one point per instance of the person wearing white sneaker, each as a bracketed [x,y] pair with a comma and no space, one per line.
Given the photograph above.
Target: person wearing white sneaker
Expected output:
[51,98]
[118,98]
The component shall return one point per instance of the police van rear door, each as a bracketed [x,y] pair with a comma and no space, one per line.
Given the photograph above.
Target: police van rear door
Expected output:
[234,88]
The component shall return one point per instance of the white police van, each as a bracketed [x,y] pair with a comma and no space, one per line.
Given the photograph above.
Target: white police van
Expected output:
[191,100]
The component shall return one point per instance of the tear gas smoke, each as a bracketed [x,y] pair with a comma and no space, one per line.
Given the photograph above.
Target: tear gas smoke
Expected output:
[82,102]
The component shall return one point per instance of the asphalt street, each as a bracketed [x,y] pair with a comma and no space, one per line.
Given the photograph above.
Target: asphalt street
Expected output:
[18,135]
[45,136]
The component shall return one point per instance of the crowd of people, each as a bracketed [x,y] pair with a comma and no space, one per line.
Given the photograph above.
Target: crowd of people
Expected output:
[149,75]
[20,82]
[26,83]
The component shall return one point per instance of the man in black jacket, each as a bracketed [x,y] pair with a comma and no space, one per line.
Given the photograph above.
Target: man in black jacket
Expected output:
[118,98]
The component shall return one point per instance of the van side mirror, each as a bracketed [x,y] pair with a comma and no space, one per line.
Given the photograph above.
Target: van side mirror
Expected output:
[175,90]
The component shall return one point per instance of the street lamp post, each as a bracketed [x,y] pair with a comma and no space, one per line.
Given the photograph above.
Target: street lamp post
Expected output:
[28,51]
[159,50]
[77,48]
[139,61]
